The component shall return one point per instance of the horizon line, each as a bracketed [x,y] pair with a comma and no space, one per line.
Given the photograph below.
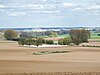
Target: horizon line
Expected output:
[51,27]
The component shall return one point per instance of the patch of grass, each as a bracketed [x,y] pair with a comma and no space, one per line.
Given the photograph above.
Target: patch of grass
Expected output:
[95,35]
[48,52]
[64,35]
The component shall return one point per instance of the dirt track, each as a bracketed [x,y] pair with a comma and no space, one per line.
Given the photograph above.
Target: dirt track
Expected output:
[16,59]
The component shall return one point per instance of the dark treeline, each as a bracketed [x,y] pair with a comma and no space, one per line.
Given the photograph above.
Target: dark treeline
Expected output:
[76,37]
[27,38]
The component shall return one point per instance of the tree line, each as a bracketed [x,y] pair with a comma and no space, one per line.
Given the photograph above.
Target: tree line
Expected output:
[76,36]
[34,41]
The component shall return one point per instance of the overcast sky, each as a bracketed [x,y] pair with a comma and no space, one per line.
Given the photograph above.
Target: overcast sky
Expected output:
[49,13]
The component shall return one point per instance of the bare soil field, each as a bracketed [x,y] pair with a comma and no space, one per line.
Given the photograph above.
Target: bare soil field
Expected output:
[17,59]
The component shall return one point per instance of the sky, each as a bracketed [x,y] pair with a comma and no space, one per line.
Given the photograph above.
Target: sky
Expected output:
[49,13]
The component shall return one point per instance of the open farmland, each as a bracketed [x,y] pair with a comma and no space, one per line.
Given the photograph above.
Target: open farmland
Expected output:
[94,35]
[17,59]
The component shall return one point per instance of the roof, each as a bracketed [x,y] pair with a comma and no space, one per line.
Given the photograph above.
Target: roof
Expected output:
[53,38]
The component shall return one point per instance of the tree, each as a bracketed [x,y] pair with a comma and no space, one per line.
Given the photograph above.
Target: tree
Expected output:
[60,41]
[29,42]
[42,40]
[79,36]
[49,42]
[38,42]
[65,41]
[77,41]
[27,34]
[51,33]
[22,41]
[10,34]
[85,35]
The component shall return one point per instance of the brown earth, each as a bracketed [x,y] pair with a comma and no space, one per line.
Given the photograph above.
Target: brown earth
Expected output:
[17,59]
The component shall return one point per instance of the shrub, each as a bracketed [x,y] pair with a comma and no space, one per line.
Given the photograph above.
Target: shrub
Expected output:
[60,42]
[64,41]
[71,44]
[49,42]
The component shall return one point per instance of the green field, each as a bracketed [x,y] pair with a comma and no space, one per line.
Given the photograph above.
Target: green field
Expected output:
[94,35]
[61,36]
[64,35]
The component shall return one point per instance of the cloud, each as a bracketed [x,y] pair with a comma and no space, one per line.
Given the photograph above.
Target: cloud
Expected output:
[92,8]
[16,13]
[48,7]
[2,6]
[45,12]
[69,5]
[30,6]
[33,6]
[22,5]
[16,9]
